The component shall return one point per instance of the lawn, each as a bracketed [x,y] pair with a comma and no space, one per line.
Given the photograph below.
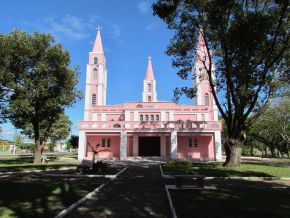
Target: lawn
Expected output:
[217,170]
[232,202]
[40,196]
[12,164]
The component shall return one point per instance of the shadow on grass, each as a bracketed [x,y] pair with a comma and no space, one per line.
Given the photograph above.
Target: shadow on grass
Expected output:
[35,196]
[236,198]
[217,170]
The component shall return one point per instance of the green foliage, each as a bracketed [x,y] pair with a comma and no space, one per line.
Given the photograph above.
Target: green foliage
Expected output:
[73,142]
[183,165]
[272,128]
[19,141]
[246,41]
[40,82]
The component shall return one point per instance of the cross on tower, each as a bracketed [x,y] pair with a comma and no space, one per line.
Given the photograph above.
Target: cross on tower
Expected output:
[149,58]
[99,28]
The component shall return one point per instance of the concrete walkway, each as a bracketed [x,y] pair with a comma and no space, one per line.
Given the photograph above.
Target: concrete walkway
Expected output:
[139,192]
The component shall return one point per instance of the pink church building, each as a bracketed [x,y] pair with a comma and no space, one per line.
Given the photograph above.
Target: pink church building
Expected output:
[149,127]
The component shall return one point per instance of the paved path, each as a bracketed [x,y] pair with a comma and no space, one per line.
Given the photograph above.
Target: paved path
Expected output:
[139,192]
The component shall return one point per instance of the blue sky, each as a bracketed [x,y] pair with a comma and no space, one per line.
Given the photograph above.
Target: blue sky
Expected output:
[130,33]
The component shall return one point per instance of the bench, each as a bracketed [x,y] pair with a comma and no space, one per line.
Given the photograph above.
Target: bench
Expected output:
[179,179]
[86,165]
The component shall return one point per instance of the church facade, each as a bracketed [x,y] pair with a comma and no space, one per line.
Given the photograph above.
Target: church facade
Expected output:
[149,127]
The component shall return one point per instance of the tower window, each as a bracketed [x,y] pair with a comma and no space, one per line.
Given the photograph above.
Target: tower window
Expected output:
[146,117]
[95,72]
[149,98]
[149,88]
[95,60]
[152,117]
[190,142]
[157,117]
[195,142]
[108,142]
[206,99]
[103,142]
[94,99]
[141,117]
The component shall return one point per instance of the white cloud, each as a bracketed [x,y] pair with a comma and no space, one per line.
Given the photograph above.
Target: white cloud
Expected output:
[69,27]
[75,28]
[143,7]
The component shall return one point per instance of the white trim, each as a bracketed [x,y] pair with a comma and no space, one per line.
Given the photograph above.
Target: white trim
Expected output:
[82,145]
[76,204]
[218,145]
[173,144]
[123,145]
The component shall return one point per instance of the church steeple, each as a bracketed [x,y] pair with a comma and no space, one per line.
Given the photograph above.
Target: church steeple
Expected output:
[96,77]
[149,90]
[201,82]
[98,46]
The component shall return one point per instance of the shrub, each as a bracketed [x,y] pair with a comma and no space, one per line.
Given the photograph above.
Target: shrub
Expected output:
[183,165]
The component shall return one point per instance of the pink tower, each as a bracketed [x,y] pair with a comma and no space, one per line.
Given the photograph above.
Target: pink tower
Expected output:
[96,77]
[201,82]
[149,85]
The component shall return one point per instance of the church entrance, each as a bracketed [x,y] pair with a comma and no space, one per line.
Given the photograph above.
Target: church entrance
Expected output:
[149,146]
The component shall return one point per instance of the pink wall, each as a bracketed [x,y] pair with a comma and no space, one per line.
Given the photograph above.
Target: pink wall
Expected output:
[113,150]
[205,147]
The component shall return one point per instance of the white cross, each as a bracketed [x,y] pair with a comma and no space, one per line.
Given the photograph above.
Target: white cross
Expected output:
[99,28]
[149,58]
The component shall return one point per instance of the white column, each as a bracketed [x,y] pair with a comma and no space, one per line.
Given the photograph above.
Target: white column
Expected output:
[173,146]
[135,145]
[82,145]
[127,116]
[123,146]
[163,145]
[218,145]
[163,116]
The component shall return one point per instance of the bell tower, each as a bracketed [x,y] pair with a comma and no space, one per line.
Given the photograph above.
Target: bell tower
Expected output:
[96,77]
[149,85]
[201,82]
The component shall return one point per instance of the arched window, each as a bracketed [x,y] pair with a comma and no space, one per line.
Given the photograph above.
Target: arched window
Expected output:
[141,117]
[95,60]
[95,73]
[157,117]
[152,117]
[149,87]
[149,98]
[206,99]
[146,117]
[94,99]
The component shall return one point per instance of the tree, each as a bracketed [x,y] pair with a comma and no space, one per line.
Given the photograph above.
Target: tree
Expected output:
[247,41]
[273,127]
[72,142]
[19,141]
[42,83]
[59,130]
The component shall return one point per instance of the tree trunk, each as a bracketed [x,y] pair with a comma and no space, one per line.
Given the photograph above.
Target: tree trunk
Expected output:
[234,153]
[38,148]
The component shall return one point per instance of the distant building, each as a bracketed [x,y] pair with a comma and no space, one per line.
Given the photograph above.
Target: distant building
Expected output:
[149,127]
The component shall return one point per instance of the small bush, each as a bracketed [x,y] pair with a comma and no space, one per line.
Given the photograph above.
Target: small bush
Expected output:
[183,165]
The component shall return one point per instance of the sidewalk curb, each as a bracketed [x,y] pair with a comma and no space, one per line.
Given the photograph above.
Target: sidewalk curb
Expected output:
[37,171]
[76,204]
[86,176]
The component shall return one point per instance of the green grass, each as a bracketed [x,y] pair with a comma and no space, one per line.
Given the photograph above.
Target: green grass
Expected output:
[232,202]
[13,164]
[216,169]
[39,196]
